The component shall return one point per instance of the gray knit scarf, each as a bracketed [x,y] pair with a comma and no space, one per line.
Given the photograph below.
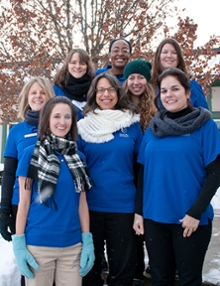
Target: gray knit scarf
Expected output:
[45,167]
[161,125]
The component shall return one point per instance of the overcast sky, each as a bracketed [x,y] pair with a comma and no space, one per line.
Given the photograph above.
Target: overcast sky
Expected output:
[206,14]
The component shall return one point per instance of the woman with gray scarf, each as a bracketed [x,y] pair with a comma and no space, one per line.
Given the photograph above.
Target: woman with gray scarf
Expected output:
[179,176]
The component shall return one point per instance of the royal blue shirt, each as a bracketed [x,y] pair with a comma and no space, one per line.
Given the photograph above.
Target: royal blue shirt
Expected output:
[120,77]
[48,227]
[110,165]
[197,97]
[174,172]
[20,136]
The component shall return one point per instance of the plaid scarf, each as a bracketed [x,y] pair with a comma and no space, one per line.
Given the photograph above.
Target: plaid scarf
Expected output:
[45,167]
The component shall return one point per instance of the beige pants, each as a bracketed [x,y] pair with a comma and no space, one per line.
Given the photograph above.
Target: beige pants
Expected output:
[56,264]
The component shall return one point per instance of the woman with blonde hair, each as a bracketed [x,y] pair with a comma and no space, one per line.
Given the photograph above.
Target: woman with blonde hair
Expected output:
[33,96]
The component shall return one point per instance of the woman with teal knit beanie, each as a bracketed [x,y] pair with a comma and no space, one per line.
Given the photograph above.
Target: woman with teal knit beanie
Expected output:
[140,92]
[137,76]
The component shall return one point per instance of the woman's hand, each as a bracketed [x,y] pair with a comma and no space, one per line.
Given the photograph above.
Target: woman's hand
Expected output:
[189,224]
[138,224]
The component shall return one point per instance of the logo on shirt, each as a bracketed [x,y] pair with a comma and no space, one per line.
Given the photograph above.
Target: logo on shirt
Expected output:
[123,133]
[30,135]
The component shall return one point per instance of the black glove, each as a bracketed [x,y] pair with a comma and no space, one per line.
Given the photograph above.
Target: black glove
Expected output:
[6,221]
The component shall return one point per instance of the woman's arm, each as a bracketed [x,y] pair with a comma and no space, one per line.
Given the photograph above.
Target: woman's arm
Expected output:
[84,212]
[138,224]
[208,190]
[140,186]
[8,180]
[6,220]
[23,206]
[190,222]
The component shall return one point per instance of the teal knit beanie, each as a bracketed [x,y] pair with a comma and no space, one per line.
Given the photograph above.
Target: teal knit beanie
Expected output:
[138,66]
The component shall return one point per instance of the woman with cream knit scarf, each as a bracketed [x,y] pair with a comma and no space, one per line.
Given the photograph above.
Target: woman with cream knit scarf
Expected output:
[110,136]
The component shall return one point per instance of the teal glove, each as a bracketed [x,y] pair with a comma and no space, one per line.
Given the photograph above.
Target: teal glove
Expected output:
[23,256]
[87,255]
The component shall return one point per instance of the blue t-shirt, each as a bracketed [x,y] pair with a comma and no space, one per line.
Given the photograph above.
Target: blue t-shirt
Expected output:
[110,166]
[120,77]
[174,172]
[48,227]
[20,136]
[59,92]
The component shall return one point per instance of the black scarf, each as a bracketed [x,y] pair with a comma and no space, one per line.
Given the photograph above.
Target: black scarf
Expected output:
[32,117]
[77,88]
[163,125]
[45,167]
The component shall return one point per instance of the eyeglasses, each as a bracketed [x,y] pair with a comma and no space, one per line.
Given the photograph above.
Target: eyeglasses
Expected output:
[117,51]
[101,90]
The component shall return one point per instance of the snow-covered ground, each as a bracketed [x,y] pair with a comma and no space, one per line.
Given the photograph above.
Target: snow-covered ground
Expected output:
[216,201]
[10,276]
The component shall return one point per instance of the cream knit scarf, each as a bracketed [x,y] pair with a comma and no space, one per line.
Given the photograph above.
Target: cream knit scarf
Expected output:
[99,126]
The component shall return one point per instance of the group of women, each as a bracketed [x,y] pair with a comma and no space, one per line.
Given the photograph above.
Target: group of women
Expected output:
[139,165]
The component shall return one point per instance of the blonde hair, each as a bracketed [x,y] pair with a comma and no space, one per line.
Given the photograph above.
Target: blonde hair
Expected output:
[146,107]
[23,96]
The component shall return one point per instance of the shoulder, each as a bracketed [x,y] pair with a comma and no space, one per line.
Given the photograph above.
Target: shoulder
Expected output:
[121,79]
[17,126]
[99,71]
[148,134]
[194,84]
[136,125]
[134,128]
[28,151]
[19,129]
[196,87]
[58,91]
[26,155]
[24,162]
[82,156]
[197,96]
[211,124]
